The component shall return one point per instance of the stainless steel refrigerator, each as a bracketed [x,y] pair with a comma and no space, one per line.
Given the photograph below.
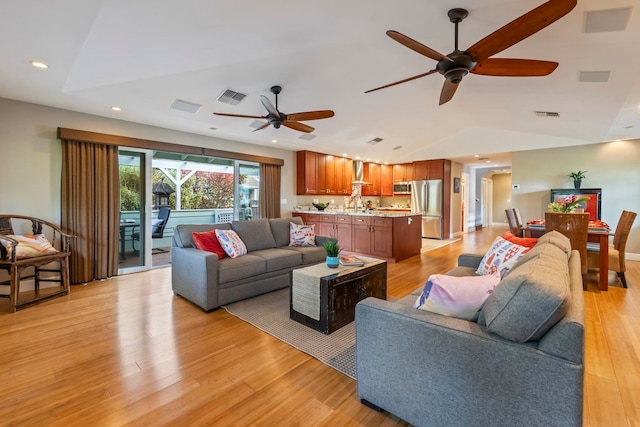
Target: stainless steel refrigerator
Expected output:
[426,199]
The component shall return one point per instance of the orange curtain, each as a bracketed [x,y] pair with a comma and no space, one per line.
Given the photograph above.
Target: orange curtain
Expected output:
[270,177]
[91,208]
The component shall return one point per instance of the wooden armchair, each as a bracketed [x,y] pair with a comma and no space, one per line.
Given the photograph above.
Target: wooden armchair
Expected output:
[20,250]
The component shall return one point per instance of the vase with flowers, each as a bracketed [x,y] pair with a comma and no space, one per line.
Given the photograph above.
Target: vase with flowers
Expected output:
[568,204]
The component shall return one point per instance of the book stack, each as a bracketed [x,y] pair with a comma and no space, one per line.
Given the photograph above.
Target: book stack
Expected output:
[351,260]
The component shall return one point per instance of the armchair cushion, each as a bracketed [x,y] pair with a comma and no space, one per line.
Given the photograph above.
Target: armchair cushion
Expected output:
[29,246]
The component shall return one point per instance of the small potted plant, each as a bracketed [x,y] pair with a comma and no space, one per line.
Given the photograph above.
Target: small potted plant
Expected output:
[577,178]
[333,250]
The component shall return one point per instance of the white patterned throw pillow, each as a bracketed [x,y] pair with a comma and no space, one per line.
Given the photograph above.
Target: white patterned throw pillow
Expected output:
[29,246]
[231,243]
[501,257]
[302,235]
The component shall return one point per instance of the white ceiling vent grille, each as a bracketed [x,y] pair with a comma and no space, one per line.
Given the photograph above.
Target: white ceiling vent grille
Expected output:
[595,76]
[374,141]
[189,107]
[231,97]
[307,136]
[547,114]
[602,21]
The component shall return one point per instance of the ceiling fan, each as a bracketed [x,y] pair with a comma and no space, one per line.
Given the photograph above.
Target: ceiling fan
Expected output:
[276,119]
[476,59]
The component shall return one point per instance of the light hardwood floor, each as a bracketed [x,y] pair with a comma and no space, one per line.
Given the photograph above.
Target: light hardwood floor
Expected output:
[127,352]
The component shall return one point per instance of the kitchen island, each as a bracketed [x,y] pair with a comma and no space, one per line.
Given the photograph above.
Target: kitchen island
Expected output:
[392,236]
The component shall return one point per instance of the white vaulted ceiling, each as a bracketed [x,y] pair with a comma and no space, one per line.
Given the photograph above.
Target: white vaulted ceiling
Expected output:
[144,55]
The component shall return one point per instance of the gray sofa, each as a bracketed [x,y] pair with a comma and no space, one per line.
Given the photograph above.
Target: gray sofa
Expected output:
[521,364]
[208,282]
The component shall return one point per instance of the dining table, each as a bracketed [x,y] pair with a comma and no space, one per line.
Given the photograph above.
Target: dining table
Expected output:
[595,234]
[124,225]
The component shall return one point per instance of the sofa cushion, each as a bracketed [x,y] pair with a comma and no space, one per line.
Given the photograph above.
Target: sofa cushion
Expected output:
[462,271]
[183,233]
[280,229]
[544,247]
[302,235]
[256,234]
[231,243]
[278,259]
[460,297]
[501,257]
[310,254]
[530,300]
[208,241]
[247,266]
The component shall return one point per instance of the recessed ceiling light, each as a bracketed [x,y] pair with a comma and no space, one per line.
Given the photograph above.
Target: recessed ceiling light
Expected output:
[344,154]
[476,155]
[39,64]
[116,108]
[357,157]
[488,161]
[274,140]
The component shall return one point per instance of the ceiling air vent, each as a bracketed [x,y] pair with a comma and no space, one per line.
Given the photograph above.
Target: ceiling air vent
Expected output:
[189,107]
[231,97]
[602,21]
[307,136]
[595,76]
[374,141]
[547,114]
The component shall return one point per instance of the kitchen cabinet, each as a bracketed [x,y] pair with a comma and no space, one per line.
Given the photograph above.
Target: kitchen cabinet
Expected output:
[344,175]
[307,172]
[403,172]
[386,180]
[330,225]
[373,235]
[428,169]
[372,175]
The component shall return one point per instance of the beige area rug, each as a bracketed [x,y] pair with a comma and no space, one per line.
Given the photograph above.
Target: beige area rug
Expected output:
[431,244]
[270,313]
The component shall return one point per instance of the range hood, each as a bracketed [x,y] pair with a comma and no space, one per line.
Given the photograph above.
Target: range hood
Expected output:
[358,173]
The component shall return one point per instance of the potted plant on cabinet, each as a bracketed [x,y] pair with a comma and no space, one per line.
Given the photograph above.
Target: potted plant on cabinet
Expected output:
[333,251]
[577,178]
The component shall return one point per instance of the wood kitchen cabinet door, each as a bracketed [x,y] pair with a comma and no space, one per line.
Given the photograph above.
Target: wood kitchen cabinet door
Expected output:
[372,176]
[435,169]
[382,237]
[307,172]
[330,174]
[343,231]
[361,234]
[420,170]
[386,180]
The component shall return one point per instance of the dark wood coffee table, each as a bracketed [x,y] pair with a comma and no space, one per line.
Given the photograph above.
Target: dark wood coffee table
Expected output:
[325,298]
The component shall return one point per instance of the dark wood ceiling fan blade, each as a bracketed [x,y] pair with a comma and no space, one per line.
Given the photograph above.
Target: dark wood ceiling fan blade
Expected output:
[292,124]
[521,28]
[514,67]
[239,115]
[448,90]
[402,81]
[311,115]
[269,106]
[261,127]
[416,46]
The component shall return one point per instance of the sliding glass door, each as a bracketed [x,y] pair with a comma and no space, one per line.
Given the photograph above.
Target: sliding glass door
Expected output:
[135,210]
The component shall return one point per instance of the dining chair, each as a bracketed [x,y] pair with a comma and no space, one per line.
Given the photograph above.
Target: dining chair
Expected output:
[516,211]
[514,227]
[576,227]
[157,229]
[616,250]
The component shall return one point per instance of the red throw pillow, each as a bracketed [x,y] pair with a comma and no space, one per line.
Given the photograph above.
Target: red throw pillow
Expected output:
[529,242]
[207,241]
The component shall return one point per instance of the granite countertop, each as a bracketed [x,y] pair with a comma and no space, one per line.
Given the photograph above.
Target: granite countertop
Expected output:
[383,213]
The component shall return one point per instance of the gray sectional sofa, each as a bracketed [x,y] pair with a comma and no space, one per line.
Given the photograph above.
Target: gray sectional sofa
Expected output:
[208,282]
[521,364]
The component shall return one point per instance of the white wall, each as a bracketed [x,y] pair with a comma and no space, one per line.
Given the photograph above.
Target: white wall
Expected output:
[612,166]
[501,197]
[30,154]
